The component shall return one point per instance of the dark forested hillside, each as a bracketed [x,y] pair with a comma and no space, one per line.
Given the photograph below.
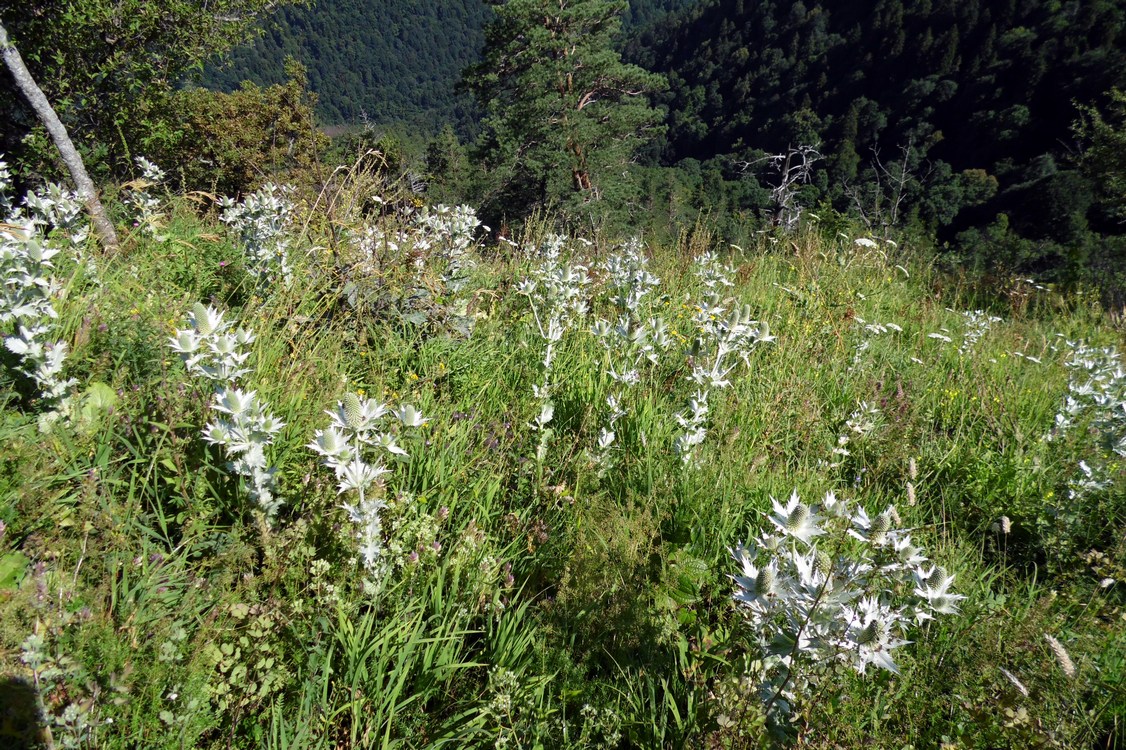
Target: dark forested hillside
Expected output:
[967,84]
[992,80]
[386,60]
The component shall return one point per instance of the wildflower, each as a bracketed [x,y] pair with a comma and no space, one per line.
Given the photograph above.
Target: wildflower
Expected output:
[871,635]
[409,416]
[933,586]
[796,519]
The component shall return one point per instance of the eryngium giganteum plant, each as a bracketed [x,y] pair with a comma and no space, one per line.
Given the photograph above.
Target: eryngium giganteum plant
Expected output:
[826,584]
[28,286]
[351,446]
[243,425]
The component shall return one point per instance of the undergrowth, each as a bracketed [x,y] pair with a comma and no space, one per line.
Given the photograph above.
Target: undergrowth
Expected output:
[534,554]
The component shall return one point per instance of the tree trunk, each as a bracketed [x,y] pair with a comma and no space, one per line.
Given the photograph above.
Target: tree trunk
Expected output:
[46,113]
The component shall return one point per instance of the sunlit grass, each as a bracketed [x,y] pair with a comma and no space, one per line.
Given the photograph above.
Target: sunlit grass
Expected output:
[541,602]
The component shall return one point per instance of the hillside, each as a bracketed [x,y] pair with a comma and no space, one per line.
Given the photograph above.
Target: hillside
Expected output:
[386,61]
[298,472]
[983,93]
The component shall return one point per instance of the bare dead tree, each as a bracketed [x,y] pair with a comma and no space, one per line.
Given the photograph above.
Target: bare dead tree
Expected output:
[46,114]
[880,203]
[792,169]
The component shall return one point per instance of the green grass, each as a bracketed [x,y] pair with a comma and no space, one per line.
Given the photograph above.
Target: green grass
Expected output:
[539,604]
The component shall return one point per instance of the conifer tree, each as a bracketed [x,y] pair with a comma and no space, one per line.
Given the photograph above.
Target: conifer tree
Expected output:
[564,114]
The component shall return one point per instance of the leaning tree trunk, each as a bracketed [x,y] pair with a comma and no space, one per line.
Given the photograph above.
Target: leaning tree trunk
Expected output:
[46,113]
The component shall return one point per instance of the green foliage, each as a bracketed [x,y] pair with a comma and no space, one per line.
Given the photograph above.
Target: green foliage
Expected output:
[564,115]
[378,61]
[110,67]
[1104,158]
[385,62]
[544,603]
[980,93]
[276,134]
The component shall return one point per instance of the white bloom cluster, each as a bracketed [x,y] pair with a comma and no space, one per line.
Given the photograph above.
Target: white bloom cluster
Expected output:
[357,429]
[449,233]
[1096,396]
[977,324]
[635,337]
[870,331]
[723,328]
[556,292]
[439,237]
[1096,390]
[713,273]
[28,285]
[832,585]
[147,206]
[862,422]
[212,350]
[261,223]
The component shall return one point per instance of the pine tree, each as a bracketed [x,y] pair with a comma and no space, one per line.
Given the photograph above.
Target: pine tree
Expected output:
[564,114]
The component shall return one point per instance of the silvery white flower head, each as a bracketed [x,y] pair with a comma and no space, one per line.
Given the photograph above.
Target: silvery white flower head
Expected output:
[358,475]
[409,416]
[871,631]
[185,342]
[357,415]
[217,433]
[234,401]
[386,441]
[601,328]
[906,553]
[331,443]
[207,320]
[758,587]
[933,585]
[876,531]
[796,519]
[837,508]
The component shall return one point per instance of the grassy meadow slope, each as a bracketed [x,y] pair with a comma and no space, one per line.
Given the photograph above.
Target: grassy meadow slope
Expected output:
[523,586]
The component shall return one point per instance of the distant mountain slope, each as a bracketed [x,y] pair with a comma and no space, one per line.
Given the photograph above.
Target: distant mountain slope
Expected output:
[386,60]
[988,81]
[988,86]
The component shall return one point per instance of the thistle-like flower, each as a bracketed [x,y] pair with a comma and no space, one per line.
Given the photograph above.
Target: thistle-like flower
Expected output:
[871,632]
[211,350]
[933,586]
[810,609]
[796,519]
[351,447]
